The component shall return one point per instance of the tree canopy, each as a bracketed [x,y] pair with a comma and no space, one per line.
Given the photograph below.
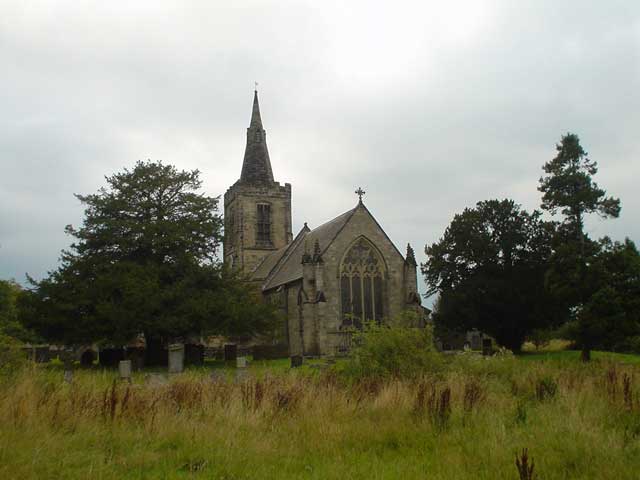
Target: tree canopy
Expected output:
[569,187]
[489,269]
[144,261]
[10,293]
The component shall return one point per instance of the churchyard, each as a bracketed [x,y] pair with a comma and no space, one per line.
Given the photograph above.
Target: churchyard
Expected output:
[467,417]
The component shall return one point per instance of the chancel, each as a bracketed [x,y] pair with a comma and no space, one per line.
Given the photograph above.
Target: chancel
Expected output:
[327,280]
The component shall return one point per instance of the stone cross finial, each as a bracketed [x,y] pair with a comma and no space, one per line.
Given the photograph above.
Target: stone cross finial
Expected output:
[256,86]
[360,193]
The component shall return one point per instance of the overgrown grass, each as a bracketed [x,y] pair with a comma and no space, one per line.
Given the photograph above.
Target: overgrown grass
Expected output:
[468,420]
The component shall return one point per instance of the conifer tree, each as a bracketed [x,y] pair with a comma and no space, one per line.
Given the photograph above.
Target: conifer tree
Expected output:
[568,186]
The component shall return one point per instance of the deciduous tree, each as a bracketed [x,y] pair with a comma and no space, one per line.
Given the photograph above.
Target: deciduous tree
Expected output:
[144,261]
[489,270]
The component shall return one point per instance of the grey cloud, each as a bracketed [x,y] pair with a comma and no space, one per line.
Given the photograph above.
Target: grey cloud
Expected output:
[430,107]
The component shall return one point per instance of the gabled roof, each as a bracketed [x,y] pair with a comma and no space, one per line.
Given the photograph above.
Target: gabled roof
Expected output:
[272,261]
[287,262]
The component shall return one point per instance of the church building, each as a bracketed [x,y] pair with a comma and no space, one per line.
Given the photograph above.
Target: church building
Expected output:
[327,280]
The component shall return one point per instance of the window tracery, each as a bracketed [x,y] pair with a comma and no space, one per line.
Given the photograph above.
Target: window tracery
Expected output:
[362,284]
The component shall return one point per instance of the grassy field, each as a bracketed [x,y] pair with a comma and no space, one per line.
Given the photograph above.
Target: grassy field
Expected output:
[465,421]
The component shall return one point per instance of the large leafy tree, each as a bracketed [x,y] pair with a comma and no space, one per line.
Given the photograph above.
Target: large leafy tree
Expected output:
[568,187]
[10,293]
[144,261]
[609,318]
[489,269]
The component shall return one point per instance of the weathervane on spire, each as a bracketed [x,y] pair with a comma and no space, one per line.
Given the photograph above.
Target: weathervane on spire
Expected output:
[360,193]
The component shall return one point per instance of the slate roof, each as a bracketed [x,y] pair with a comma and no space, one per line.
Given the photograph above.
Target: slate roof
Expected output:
[285,265]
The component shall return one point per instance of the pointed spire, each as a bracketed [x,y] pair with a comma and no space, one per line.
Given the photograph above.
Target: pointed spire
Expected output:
[256,167]
[411,256]
[256,120]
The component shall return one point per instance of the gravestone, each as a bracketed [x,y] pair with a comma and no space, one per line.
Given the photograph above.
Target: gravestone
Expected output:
[124,368]
[241,375]
[230,352]
[270,352]
[87,358]
[486,346]
[476,341]
[241,362]
[296,361]
[67,360]
[109,357]
[155,379]
[218,376]
[194,354]
[176,358]
[136,355]
[42,354]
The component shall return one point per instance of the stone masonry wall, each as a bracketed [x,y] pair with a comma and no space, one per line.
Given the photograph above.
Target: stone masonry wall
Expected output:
[360,224]
[241,201]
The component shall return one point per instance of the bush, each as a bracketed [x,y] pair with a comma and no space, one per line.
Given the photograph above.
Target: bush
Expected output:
[382,351]
[628,345]
[12,358]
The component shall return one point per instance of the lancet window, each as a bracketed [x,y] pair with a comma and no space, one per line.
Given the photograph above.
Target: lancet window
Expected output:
[264,224]
[362,284]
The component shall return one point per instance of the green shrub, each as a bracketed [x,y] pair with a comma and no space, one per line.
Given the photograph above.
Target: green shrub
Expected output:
[382,351]
[12,358]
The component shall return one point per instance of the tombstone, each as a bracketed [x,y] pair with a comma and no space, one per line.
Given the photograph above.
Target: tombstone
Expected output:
[136,355]
[42,354]
[155,379]
[296,361]
[218,376]
[230,352]
[270,352]
[486,346]
[241,375]
[87,358]
[241,362]
[194,354]
[109,357]
[124,368]
[67,360]
[176,358]
[476,341]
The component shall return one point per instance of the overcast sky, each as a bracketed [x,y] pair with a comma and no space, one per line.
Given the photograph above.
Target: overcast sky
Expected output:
[429,106]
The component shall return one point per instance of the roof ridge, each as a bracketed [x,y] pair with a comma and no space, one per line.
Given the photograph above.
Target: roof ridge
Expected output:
[349,214]
[285,256]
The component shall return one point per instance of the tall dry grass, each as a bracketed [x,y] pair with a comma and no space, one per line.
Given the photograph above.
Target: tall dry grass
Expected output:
[469,420]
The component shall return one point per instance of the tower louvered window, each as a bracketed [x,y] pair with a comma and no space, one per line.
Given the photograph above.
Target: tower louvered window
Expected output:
[362,284]
[264,224]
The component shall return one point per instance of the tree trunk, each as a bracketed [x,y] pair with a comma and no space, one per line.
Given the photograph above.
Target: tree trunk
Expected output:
[585,355]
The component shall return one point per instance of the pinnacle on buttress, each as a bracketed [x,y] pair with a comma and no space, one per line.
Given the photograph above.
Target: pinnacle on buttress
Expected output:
[256,167]
[411,256]
[306,258]
[317,253]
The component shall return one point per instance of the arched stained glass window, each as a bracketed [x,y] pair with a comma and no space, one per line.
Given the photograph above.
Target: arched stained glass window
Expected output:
[361,284]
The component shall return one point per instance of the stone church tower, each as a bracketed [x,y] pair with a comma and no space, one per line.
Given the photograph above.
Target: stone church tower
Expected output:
[257,209]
